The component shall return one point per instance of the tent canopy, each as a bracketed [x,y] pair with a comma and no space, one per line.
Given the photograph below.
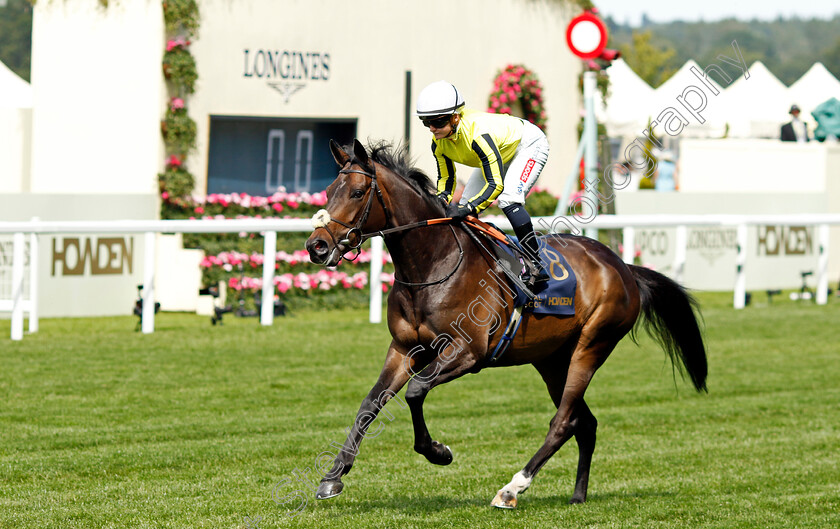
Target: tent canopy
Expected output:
[14,91]
[816,86]
[752,107]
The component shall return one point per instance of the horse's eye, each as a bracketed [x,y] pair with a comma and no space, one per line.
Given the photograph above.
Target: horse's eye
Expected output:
[357,193]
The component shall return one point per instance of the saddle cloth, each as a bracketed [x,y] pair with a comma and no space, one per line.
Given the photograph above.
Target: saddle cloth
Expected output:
[557,296]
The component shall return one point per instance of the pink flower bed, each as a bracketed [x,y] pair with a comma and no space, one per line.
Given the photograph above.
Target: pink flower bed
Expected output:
[320,280]
[229,260]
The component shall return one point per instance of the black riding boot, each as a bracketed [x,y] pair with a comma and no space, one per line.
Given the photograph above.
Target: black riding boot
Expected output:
[524,230]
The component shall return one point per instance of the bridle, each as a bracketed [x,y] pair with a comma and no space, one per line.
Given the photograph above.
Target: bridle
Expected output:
[362,237]
[357,229]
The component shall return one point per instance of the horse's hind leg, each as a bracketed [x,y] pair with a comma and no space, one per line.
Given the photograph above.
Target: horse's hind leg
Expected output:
[572,418]
[585,437]
[553,372]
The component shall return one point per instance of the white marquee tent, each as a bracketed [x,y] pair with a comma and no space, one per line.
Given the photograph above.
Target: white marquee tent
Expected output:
[756,106]
[816,86]
[682,84]
[753,107]
[14,91]
[628,94]
[16,102]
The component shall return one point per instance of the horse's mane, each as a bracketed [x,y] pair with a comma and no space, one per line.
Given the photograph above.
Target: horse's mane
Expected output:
[397,159]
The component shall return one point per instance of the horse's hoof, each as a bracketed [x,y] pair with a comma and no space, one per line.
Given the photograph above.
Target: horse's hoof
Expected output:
[329,489]
[440,454]
[504,500]
[576,500]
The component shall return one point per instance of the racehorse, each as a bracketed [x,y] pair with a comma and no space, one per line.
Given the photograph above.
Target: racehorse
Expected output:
[438,336]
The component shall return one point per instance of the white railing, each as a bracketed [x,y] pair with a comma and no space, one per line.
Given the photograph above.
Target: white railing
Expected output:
[628,223]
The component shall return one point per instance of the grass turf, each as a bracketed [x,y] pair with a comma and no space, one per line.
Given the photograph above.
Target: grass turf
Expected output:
[201,426]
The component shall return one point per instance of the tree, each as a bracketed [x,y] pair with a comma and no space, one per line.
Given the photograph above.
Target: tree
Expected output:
[650,62]
[16,36]
[831,59]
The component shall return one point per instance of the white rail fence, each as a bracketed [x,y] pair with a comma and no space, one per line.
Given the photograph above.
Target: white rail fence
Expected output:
[17,305]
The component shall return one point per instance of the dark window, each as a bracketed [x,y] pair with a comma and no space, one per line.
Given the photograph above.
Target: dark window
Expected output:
[259,155]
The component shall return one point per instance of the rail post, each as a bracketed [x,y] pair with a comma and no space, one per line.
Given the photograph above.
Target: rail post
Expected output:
[680,245]
[17,286]
[628,254]
[822,265]
[148,311]
[269,260]
[740,298]
[376,251]
[33,280]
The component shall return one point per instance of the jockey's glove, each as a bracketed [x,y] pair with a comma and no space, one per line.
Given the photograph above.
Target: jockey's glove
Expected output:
[443,200]
[459,211]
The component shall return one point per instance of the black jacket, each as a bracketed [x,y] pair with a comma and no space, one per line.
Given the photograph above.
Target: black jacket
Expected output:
[789,135]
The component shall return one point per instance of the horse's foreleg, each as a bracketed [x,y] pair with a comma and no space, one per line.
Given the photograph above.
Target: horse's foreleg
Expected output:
[392,378]
[439,371]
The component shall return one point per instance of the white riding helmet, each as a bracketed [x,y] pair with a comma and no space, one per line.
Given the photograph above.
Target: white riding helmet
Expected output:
[439,98]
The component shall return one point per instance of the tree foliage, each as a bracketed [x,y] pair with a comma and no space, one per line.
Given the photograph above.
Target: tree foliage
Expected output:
[788,47]
[651,62]
[16,36]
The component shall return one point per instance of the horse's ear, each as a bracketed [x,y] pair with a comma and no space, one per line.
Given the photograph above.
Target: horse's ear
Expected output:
[361,153]
[341,157]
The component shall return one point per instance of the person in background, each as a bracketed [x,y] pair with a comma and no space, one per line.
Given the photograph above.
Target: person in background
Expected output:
[665,177]
[508,153]
[795,130]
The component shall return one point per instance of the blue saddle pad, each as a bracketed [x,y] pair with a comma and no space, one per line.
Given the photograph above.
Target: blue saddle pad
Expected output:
[557,297]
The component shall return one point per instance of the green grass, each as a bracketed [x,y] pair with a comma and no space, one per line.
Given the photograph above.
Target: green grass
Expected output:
[193,426]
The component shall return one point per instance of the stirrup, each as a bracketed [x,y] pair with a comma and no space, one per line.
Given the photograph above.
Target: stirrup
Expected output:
[534,275]
[535,280]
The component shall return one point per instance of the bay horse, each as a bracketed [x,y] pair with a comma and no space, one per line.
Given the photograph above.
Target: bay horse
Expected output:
[446,312]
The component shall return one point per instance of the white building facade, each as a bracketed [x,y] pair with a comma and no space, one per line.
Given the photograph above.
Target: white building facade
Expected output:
[277,80]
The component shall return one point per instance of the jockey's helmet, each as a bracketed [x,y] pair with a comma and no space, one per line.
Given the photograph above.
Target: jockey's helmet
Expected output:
[439,98]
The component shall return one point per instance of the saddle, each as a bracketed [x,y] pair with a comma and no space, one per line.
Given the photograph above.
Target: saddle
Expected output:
[514,262]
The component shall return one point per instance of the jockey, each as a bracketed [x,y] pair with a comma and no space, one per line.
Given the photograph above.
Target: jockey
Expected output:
[508,152]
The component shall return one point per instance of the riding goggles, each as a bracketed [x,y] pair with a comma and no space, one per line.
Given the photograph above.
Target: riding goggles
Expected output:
[437,122]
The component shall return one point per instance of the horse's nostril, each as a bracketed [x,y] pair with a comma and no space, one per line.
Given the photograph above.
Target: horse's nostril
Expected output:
[318,247]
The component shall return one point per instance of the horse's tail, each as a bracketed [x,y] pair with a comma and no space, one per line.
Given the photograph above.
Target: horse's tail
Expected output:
[670,319]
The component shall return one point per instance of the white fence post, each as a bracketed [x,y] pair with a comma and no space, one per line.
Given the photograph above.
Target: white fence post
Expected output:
[149,283]
[33,281]
[822,265]
[740,298]
[17,286]
[269,260]
[628,236]
[376,246]
[680,253]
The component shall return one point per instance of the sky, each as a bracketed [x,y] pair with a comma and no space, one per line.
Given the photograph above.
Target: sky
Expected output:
[710,10]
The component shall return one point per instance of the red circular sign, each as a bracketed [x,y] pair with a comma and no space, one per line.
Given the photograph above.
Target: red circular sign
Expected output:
[586,36]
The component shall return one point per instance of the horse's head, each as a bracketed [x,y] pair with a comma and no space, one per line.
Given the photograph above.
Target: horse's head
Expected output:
[355,205]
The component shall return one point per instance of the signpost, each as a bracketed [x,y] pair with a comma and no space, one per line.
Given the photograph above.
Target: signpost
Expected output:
[587,38]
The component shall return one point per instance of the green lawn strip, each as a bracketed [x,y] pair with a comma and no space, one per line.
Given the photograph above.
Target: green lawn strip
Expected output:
[195,425]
